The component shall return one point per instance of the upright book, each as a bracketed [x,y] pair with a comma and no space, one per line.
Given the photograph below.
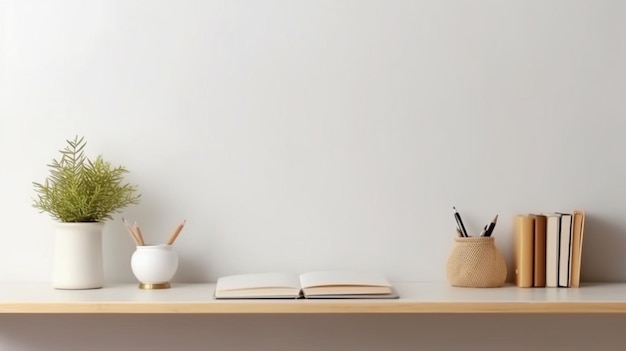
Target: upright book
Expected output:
[553,230]
[578,228]
[312,285]
[539,279]
[565,250]
[524,231]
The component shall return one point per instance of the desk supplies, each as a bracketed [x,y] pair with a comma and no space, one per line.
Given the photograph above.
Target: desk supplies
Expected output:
[475,262]
[154,266]
[175,233]
[134,232]
[489,228]
[486,232]
[137,236]
[459,222]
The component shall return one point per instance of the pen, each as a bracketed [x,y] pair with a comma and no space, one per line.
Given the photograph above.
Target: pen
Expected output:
[491,226]
[459,222]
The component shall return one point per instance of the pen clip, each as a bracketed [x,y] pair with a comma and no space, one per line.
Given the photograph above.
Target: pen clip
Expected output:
[484,232]
[491,226]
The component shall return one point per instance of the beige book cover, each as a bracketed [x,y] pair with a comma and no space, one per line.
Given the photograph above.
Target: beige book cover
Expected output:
[577,243]
[539,279]
[524,250]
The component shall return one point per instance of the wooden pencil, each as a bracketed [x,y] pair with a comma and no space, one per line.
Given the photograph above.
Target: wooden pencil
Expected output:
[175,233]
[139,235]
[131,232]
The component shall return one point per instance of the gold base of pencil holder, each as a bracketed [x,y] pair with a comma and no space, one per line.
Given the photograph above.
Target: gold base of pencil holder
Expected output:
[148,286]
[475,262]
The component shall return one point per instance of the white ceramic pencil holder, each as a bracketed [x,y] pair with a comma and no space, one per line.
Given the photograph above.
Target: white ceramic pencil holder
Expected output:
[154,265]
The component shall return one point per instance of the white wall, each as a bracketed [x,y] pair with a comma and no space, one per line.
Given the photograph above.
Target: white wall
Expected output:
[317,134]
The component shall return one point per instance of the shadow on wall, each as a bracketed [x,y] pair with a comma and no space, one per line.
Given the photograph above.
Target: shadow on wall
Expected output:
[604,245]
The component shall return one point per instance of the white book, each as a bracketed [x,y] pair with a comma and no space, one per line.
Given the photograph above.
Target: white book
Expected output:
[319,284]
[553,231]
[565,250]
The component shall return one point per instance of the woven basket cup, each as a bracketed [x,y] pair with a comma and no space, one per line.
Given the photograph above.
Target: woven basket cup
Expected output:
[475,262]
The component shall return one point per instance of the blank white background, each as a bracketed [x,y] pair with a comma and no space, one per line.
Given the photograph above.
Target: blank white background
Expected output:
[302,135]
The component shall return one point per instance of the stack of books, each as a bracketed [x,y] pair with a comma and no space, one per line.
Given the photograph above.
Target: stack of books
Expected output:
[548,249]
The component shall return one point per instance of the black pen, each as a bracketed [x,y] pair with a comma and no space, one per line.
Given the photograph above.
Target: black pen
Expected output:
[492,225]
[459,222]
[459,232]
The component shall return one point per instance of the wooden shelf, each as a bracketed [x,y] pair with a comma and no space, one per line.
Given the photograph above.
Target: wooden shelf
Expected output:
[415,298]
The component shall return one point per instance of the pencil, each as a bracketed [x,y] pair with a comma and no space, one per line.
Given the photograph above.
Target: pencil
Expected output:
[131,232]
[175,233]
[138,233]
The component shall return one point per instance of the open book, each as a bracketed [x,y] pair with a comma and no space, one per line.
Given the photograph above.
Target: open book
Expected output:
[320,284]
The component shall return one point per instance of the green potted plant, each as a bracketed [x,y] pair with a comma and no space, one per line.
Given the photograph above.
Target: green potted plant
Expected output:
[81,194]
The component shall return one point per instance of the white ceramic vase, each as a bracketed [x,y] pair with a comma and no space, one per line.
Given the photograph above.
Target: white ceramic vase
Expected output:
[154,265]
[78,256]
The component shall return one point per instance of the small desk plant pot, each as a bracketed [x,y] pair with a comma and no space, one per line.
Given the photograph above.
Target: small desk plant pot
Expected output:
[78,256]
[81,195]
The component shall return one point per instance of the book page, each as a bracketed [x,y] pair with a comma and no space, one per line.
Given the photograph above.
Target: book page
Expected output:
[335,278]
[258,281]
[260,293]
